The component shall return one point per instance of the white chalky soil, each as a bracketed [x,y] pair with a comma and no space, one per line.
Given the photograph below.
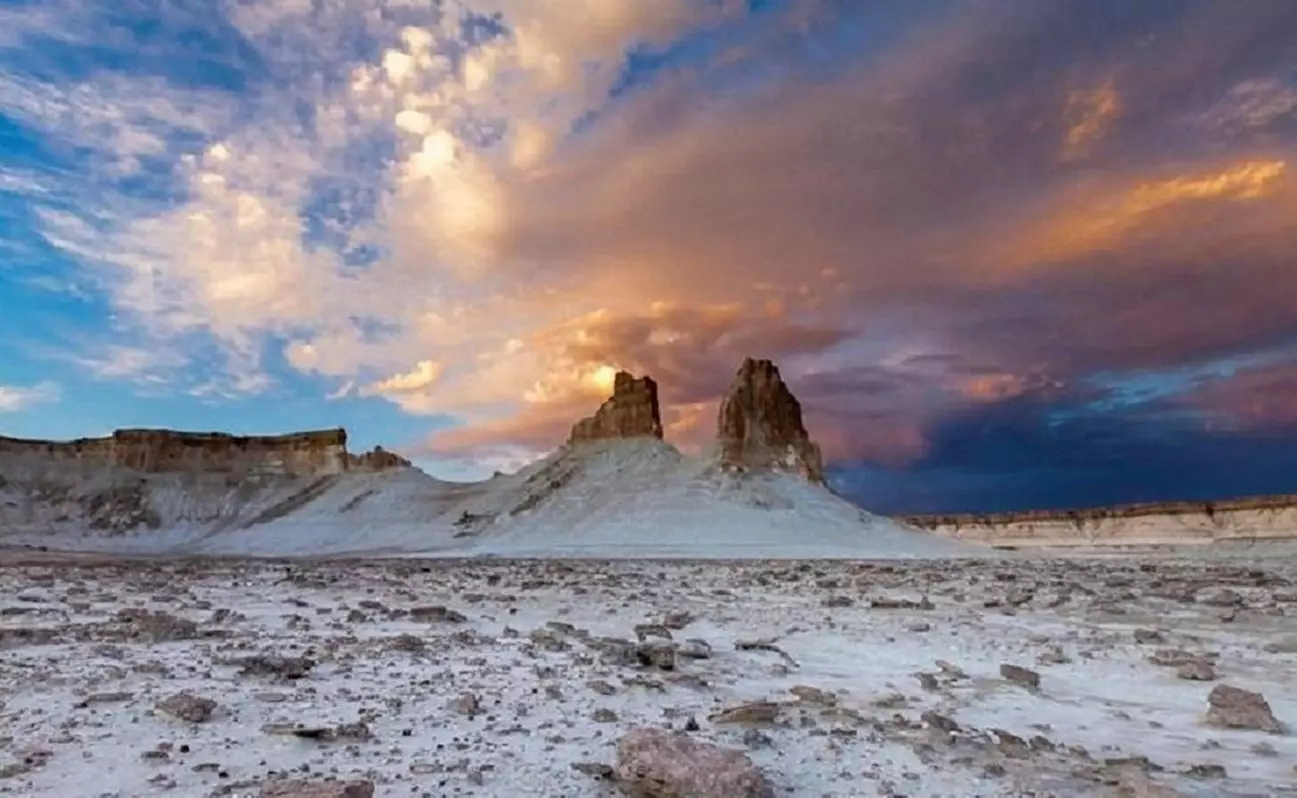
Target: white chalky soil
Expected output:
[505,700]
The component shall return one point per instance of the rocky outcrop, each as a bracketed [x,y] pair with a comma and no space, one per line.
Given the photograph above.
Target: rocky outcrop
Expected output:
[759,425]
[1234,708]
[631,412]
[378,459]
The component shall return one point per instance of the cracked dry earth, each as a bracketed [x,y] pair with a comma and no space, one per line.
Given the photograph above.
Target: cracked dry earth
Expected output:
[996,678]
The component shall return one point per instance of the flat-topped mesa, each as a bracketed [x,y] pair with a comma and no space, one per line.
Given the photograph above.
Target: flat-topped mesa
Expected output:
[759,425]
[631,412]
[160,451]
[313,453]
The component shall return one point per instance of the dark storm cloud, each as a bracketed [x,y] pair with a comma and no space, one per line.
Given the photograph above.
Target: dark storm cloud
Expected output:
[978,216]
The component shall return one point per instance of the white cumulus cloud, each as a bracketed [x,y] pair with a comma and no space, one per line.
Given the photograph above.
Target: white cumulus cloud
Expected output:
[16,398]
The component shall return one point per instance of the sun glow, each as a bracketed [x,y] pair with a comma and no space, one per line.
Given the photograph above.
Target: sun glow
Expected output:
[604,377]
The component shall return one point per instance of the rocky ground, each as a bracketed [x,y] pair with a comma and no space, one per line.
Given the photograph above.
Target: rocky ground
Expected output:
[997,678]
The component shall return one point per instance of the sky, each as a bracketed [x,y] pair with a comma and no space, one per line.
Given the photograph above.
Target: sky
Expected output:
[1008,253]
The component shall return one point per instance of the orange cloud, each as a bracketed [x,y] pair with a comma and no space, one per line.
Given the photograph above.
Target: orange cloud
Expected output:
[992,387]
[691,426]
[1089,114]
[1104,220]
[535,429]
[691,351]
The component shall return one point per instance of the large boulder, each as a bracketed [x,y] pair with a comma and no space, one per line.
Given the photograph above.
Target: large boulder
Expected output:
[1231,707]
[317,788]
[631,412]
[658,763]
[759,425]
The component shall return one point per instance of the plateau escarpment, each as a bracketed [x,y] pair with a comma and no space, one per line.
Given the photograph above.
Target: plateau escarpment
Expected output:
[161,451]
[154,477]
[1135,525]
[158,451]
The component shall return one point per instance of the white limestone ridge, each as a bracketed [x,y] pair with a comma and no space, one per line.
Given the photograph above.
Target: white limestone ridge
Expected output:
[615,489]
[636,497]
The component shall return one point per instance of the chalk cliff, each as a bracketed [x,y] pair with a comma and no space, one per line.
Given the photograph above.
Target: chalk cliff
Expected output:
[1136,525]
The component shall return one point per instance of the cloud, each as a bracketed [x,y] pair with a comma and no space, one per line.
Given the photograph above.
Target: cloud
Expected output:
[947,218]
[1020,455]
[560,373]
[392,147]
[424,374]
[1102,221]
[1265,106]
[1090,113]
[464,210]
[1258,398]
[538,428]
[17,398]
[145,367]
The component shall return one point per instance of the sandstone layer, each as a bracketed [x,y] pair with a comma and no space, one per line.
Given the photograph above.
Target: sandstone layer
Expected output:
[759,425]
[631,412]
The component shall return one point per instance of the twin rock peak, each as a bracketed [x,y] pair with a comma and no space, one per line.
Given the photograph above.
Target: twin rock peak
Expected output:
[758,427]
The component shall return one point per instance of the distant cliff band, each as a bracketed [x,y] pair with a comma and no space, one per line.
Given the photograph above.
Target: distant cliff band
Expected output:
[152,451]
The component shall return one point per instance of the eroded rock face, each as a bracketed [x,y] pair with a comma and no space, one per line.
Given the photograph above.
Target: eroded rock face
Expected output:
[379,459]
[300,453]
[759,425]
[631,412]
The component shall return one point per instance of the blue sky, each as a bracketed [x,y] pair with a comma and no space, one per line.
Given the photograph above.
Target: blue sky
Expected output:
[1008,253]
